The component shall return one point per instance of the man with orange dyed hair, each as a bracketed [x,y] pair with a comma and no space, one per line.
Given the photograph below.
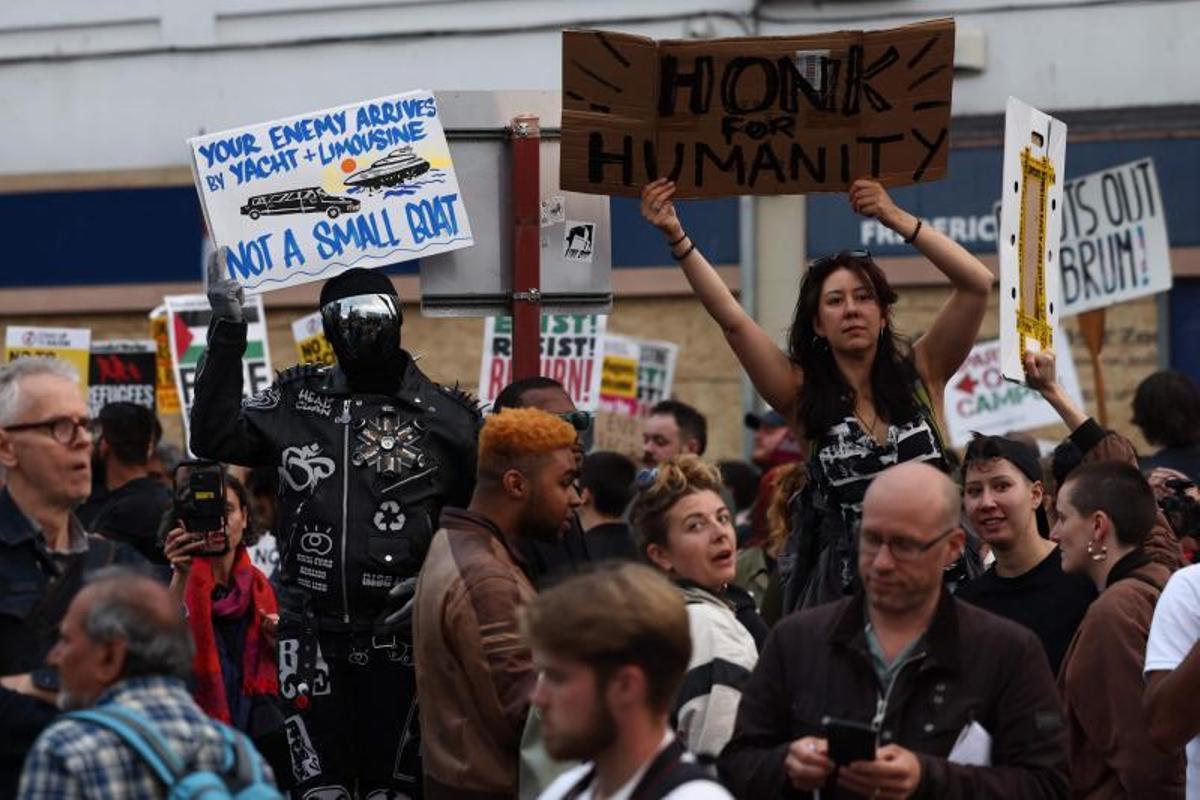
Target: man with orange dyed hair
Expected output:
[474,673]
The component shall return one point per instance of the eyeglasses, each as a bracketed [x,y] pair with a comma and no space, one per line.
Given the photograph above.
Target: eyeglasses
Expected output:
[901,547]
[581,421]
[64,430]
[852,255]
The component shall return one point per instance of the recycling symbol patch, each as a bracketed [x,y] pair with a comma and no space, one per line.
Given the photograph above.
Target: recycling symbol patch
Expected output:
[388,517]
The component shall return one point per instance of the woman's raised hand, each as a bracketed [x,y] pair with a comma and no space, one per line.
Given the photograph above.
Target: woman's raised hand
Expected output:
[179,548]
[870,199]
[658,209]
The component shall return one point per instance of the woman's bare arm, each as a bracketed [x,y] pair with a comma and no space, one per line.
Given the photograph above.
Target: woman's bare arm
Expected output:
[773,374]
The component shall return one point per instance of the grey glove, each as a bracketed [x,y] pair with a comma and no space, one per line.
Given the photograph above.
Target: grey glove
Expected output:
[396,617]
[225,295]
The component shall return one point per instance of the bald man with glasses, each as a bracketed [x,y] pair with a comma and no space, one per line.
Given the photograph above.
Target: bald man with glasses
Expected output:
[46,450]
[953,701]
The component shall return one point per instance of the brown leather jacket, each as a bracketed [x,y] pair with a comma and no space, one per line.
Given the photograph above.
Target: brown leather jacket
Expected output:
[1101,685]
[474,673]
[971,666]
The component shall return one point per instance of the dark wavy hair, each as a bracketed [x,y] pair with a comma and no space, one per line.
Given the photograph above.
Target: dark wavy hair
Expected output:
[827,398]
[1166,406]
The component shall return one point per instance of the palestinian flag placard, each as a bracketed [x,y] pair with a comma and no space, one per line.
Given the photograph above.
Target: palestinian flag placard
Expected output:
[187,327]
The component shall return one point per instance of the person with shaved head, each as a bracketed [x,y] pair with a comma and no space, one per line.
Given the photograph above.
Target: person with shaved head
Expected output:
[957,702]
[124,646]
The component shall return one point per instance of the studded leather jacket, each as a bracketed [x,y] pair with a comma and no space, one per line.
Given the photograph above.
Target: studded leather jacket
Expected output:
[363,477]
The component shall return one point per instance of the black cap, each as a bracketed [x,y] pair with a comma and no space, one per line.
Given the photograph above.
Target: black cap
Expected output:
[768,419]
[356,281]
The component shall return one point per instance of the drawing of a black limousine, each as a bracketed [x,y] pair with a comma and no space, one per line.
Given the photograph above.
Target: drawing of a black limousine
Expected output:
[300,201]
[394,168]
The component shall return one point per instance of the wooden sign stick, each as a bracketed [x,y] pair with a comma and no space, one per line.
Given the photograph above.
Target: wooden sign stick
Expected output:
[1091,325]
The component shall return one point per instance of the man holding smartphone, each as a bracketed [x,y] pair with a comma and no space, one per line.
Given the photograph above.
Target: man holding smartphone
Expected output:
[900,690]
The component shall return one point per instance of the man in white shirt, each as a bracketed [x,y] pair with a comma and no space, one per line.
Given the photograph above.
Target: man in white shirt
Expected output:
[1173,671]
[610,649]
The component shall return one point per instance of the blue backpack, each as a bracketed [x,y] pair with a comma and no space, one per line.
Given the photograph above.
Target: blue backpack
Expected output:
[242,776]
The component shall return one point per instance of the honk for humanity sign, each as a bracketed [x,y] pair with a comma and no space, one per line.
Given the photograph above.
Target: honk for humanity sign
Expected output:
[756,115]
[302,199]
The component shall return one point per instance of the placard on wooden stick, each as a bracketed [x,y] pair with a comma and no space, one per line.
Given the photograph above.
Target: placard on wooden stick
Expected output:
[1030,224]
[756,115]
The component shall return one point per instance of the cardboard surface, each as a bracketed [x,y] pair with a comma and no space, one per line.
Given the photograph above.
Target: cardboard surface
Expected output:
[1031,213]
[305,198]
[756,115]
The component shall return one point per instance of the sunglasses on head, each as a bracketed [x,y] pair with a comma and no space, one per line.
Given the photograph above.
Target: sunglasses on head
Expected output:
[848,255]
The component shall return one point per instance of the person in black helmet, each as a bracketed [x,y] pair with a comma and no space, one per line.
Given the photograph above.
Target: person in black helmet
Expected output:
[369,450]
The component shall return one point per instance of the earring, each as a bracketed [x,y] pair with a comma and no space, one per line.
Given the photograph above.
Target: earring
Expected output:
[818,341]
[1100,555]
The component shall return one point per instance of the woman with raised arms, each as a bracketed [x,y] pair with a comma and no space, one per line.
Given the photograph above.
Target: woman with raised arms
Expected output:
[861,394]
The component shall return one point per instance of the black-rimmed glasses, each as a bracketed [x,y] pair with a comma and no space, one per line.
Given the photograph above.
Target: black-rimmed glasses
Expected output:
[901,547]
[64,430]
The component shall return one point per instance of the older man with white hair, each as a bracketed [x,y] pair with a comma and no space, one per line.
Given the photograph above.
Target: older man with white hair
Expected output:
[45,448]
[901,690]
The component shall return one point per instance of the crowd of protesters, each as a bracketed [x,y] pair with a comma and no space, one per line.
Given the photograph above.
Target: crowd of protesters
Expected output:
[407,597]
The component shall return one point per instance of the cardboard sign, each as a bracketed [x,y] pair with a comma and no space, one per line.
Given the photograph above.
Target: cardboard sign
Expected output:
[68,344]
[1114,238]
[572,354]
[311,343]
[305,198]
[756,115]
[187,325]
[979,399]
[168,398]
[1031,212]
[122,372]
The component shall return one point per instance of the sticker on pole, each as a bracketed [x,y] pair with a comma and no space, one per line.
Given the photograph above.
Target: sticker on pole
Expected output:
[305,198]
[579,241]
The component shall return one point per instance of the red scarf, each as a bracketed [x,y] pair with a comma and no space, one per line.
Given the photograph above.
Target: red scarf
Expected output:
[251,594]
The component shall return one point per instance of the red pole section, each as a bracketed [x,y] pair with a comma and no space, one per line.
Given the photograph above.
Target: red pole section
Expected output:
[525,135]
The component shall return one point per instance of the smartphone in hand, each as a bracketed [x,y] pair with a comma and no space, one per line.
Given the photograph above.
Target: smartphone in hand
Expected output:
[849,741]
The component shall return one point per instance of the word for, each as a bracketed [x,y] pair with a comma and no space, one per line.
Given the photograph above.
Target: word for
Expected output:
[965,230]
[1105,265]
[1124,197]
[574,374]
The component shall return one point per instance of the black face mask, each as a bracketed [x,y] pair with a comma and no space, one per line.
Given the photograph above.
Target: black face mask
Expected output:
[364,332]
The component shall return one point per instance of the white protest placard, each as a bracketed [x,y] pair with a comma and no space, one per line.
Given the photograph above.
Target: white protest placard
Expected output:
[979,399]
[572,353]
[311,344]
[187,326]
[72,345]
[619,380]
[656,371]
[1114,243]
[305,198]
[1031,207]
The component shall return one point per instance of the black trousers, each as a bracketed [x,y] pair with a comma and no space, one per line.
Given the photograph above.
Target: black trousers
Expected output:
[357,735]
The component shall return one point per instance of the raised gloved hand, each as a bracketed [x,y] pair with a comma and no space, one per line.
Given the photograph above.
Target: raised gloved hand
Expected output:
[225,295]
[396,617]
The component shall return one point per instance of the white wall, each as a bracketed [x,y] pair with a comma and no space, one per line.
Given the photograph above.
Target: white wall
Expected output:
[120,84]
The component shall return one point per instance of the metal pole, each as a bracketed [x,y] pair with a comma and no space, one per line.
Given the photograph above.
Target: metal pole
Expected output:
[526,279]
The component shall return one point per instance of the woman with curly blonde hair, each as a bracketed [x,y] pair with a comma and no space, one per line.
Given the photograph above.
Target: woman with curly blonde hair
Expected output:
[684,528]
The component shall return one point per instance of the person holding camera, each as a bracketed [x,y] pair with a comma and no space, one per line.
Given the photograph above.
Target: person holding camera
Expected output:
[231,610]
[369,450]
[900,690]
